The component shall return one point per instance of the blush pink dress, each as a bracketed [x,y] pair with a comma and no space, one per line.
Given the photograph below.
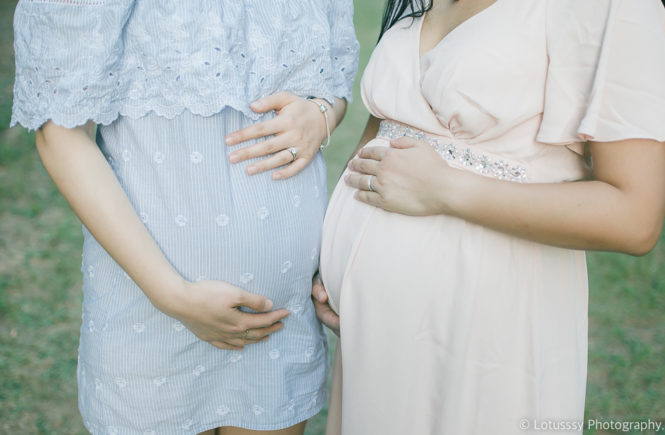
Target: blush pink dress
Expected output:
[448,327]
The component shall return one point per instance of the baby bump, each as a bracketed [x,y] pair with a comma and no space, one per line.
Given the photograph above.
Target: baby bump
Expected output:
[210,218]
[343,228]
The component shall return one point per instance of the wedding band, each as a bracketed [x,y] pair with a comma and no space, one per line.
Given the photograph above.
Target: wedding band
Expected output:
[369,183]
[245,334]
[294,153]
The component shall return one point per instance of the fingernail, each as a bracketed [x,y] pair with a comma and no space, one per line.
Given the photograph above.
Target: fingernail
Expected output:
[251,170]
[268,305]
[234,158]
[276,176]
[230,140]
[320,295]
[256,105]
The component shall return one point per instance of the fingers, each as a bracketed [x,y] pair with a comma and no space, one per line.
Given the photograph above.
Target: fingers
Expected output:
[253,301]
[319,291]
[254,131]
[261,320]
[277,160]
[298,165]
[365,166]
[259,149]
[371,198]
[363,182]
[323,311]
[261,334]
[272,102]
[374,153]
[327,316]
[406,142]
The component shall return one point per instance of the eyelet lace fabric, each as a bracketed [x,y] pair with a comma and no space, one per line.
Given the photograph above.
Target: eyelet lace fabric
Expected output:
[95,60]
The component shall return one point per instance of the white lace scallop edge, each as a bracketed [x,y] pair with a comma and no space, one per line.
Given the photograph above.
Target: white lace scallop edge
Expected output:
[73,120]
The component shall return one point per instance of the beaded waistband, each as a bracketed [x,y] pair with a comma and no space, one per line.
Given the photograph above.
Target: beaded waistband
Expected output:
[464,158]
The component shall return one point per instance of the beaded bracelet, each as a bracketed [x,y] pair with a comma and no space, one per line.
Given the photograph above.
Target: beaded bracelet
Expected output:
[324,109]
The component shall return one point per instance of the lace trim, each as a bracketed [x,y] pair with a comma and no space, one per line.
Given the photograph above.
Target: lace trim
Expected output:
[85,113]
[75,65]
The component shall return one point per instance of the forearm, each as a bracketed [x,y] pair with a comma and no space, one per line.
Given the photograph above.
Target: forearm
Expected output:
[86,180]
[588,215]
[339,110]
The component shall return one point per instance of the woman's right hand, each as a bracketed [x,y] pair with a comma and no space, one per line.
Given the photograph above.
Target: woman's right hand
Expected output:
[211,310]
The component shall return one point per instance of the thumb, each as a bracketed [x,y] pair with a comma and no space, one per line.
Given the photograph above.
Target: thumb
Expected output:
[319,291]
[255,302]
[404,143]
[272,102]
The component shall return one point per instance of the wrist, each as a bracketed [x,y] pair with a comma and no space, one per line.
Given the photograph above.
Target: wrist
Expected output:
[327,112]
[458,191]
[170,296]
[332,114]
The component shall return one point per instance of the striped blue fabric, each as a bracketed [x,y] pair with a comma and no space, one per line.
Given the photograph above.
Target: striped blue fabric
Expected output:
[166,81]
[141,371]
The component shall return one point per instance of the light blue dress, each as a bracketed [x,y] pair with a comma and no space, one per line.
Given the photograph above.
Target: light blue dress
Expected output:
[167,81]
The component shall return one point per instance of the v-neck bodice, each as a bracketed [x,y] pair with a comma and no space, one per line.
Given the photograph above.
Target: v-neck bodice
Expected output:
[518,77]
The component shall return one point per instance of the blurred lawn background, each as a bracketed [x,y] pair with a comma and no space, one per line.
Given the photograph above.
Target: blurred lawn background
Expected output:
[40,247]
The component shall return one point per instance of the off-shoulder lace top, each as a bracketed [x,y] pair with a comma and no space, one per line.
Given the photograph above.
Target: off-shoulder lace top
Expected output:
[80,60]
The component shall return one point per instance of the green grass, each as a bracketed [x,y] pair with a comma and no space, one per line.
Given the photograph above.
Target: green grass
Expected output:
[40,243]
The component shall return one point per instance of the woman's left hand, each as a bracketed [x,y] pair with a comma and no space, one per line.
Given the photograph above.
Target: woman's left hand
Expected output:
[298,131]
[410,178]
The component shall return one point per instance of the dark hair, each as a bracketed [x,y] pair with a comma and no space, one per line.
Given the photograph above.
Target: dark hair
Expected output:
[397,9]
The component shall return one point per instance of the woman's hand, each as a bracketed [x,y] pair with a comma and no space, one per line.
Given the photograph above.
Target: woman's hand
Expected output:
[410,178]
[299,126]
[323,311]
[211,310]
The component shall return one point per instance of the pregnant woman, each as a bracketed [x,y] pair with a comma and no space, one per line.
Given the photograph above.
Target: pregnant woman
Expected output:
[189,258]
[506,137]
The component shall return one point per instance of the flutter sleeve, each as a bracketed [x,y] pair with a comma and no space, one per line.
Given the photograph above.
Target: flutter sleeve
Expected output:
[67,61]
[344,48]
[606,76]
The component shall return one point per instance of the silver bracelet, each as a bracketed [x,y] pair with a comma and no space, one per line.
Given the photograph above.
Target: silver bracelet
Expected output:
[324,109]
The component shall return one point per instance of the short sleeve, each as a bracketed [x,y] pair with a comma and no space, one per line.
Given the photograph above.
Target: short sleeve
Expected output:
[67,61]
[344,48]
[606,74]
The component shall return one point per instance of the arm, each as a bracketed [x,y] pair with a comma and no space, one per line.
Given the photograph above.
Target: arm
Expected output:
[620,209]
[299,124]
[209,309]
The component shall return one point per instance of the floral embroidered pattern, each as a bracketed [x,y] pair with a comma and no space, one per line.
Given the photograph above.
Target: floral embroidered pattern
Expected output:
[75,64]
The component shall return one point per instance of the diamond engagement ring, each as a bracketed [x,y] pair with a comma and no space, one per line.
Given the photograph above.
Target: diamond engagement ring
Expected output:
[294,153]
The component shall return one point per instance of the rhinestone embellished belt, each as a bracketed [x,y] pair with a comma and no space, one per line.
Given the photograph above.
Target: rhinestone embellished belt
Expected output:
[465,158]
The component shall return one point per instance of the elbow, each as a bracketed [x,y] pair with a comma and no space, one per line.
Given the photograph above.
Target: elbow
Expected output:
[640,241]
